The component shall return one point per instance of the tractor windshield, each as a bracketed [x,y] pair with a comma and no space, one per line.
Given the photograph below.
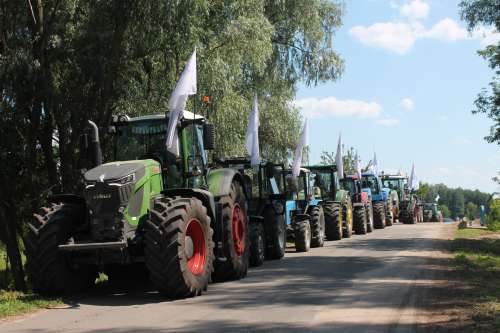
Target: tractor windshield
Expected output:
[371,183]
[322,182]
[393,184]
[348,185]
[142,139]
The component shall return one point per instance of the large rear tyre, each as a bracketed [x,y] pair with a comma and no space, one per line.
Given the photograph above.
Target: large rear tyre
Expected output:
[302,230]
[379,215]
[50,270]
[360,223]
[257,247]
[333,220]
[179,247]
[236,237]
[317,226]
[275,232]
[389,215]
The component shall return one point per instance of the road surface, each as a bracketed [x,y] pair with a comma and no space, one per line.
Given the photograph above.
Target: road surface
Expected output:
[373,283]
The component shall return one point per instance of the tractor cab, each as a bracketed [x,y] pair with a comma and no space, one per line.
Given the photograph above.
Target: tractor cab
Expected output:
[396,183]
[325,182]
[372,184]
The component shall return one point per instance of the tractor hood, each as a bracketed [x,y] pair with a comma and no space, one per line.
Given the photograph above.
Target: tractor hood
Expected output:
[116,171]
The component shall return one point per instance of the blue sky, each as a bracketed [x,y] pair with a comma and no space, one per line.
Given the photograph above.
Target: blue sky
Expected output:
[412,74]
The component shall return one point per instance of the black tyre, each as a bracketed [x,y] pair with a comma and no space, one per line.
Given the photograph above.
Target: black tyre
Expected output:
[302,230]
[369,217]
[360,223]
[403,214]
[348,220]
[257,248]
[236,237]
[275,232]
[317,222]
[50,270]
[179,247]
[333,220]
[378,215]
[389,217]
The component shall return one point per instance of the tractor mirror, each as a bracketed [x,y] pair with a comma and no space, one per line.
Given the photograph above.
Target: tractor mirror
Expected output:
[209,136]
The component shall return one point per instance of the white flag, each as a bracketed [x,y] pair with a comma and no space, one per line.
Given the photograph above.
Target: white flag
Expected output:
[252,135]
[358,166]
[297,160]
[437,198]
[414,185]
[375,164]
[338,159]
[177,103]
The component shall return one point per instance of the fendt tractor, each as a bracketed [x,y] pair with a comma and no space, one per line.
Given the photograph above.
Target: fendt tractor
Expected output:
[409,210]
[266,208]
[432,213]
[305,218]
[336,201]
[372,185]
[362,205]
[148,207]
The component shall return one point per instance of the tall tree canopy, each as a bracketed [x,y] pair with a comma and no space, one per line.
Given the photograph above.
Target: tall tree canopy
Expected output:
[479,13]
[63,62]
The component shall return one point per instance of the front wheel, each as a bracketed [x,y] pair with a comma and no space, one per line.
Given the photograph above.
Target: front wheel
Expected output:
[333,220]
[257,248]
[179,247]
[317,226]
[302,230]
[360,223]
[275,232]
[379,215]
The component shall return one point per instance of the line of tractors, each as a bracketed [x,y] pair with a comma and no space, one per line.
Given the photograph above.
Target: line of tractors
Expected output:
[185,221]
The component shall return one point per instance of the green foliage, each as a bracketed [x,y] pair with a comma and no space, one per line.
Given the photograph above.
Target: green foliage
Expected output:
[493,216]
[479,13]
[445,210]
[471,210]
[16,303]
[349,160]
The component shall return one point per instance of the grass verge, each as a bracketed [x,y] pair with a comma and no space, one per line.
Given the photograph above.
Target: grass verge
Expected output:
[477,257]
[14,303]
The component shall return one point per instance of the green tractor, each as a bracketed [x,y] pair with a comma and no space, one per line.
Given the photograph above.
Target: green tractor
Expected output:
[266,208]
[336,201]
[147,212]
[432,213]
[407,208]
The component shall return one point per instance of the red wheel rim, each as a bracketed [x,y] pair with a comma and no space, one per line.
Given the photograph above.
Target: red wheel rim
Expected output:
[238,229]
[194,231]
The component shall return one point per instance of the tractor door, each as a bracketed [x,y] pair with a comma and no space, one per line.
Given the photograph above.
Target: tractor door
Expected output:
[194,155]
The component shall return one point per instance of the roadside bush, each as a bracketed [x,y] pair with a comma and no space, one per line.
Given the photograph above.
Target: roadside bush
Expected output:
[493,217]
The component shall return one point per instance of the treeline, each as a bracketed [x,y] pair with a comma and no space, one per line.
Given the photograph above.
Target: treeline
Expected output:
[455,202]
[64,62]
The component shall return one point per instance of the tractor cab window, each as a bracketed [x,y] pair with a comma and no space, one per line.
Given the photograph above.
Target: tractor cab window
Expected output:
[194,154]
[139,140]
[322,183]
[393,184]
[372,183]
[349,185]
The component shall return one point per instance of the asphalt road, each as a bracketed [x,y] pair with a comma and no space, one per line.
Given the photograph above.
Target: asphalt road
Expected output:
[373,283]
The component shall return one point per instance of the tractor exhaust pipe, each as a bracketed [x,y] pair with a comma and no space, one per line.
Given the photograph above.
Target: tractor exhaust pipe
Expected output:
[96,146]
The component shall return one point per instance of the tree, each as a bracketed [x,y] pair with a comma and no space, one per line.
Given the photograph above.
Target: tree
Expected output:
[493,217]
[444,210]
[471,210]
[349,160]
[478,13]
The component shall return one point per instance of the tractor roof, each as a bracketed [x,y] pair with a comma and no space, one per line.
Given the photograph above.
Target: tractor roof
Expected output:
[351,177]
[185,115]
[329,167]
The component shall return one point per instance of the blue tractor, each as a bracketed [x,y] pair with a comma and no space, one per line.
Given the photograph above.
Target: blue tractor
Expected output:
[305,218]
[382,208]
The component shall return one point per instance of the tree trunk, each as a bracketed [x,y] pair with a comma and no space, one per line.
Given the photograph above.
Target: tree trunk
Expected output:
[10,238]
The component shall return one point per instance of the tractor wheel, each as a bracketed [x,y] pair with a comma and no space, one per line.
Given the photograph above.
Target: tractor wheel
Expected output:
[179,247]
[389,216]
[360,220]
[302,230]
[257,248]
[49,269]
[333,220]
[317,226]
[369,218]
[378,215]
[403,214]
[347,212]
[275,231]
[236,238]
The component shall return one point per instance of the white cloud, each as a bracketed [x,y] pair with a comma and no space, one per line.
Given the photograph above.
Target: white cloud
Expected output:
[393,36]
[388,121]
[407,104]
[333,107]
[415,9]
[446,29]
[487,36]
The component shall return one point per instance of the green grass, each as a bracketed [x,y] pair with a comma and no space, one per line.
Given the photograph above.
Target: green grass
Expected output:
[478,259]
[13,303]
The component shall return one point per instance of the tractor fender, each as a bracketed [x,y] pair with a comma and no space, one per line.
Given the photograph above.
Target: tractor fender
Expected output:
[203,195]
[67,198]
[364,197]
[219,182]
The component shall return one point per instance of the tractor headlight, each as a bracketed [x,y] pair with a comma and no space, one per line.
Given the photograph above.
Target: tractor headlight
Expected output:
[126,180]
